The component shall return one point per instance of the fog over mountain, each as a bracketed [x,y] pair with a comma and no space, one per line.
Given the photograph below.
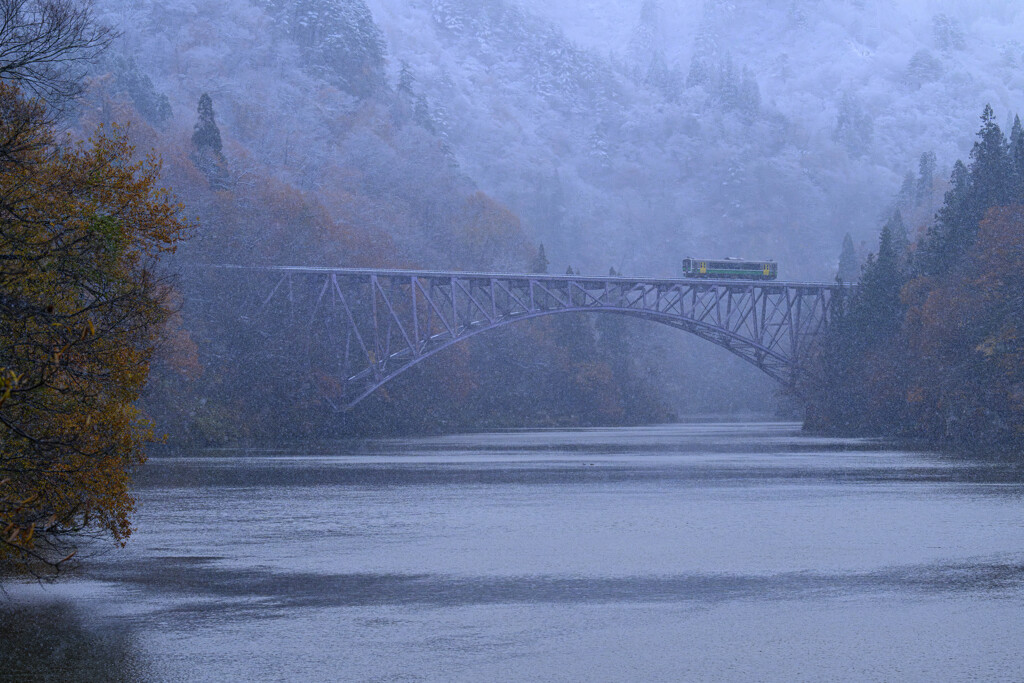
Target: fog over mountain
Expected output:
[632,133]
[463,134]
[648,129]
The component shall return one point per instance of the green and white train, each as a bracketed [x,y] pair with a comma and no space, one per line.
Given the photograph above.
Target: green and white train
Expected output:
[728,268]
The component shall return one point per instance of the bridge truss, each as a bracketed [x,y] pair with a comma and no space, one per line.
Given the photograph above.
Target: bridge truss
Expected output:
[382,322]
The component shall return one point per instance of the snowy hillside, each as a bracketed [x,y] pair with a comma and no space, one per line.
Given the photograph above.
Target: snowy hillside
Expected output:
[625,134]
[599,119]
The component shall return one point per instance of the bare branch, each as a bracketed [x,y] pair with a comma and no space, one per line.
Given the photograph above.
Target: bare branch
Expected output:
[46,45]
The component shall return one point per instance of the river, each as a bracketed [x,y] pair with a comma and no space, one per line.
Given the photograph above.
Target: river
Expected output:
[733,552]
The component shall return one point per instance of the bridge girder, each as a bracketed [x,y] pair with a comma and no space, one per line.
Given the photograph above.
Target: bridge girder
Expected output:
[383,322]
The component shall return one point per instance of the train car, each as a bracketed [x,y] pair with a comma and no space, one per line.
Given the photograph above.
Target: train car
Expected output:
[728,268]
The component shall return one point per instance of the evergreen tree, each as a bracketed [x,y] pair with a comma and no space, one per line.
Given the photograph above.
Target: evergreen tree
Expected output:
[947,33]
[854,128]
[1017,162]
[881,369]
[406,80]
[951,233]
[923,68]
[749,94]
[207,145]
[925,177]
[863,346]
[662,78]
[987,183]
[642,46]
[728,94]
[849,269]
[990,168]
[700,72]
[338,40]
[206,135]
[877,311]
[841,397]
[900,240]
[155,107]
[540,261]
[650,13]
[908,191]
[421,114]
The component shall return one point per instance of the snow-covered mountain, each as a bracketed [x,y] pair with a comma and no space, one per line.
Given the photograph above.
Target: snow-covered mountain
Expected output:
[624,133]
[629,133]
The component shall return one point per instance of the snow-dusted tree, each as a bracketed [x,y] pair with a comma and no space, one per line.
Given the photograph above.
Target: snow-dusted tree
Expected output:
[406,80]
[155,107]
[207,145]
[643,45]
[206,134]
[448,15]
[662,78]
[925,178]
[540,261]
[922,68]
[338,39]
[598,147]
[990,168]
[900,240]
[908,191]
[699,73]
[947,33]
[849,267]
[728,86]
[854,128]
[797,15]
[749,93]
[1017,161]
[421,114]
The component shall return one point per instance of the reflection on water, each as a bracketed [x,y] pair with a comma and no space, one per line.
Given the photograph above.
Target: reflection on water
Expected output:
[52,641]
[345,590]
[721,552]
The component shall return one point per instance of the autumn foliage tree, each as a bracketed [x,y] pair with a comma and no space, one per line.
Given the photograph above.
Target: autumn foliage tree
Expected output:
[82,229]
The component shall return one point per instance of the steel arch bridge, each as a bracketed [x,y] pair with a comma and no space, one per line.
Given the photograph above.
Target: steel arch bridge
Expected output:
[383,322]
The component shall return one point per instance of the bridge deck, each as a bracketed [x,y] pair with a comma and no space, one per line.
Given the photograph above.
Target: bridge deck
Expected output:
[549,277]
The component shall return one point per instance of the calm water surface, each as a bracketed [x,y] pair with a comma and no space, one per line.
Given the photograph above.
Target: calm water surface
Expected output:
[685,552]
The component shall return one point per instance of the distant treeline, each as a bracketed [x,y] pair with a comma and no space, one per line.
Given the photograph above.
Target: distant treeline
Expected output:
[931,345]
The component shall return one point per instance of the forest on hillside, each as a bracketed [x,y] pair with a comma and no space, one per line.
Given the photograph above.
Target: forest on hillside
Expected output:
[465,134]
[451,134]
[360,177]
[929,345]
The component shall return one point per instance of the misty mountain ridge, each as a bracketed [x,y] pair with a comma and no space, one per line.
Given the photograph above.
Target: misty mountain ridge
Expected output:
[651,147]
[626,134]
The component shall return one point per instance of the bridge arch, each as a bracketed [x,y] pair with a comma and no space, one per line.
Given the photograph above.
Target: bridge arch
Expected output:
[384,322]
